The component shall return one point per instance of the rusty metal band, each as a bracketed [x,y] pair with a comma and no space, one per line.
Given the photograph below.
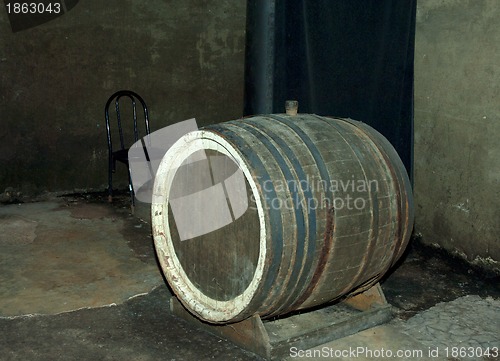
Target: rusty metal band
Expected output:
[262,176]
[374,227]
[400,185]
[306,262]
[315,273]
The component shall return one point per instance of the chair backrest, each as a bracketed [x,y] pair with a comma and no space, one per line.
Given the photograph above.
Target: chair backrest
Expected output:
[133,97]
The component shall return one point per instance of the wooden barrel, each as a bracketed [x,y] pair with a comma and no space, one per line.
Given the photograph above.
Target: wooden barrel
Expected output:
[329,211]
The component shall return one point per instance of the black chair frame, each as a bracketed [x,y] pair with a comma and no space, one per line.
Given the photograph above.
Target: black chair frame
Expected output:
[121,154]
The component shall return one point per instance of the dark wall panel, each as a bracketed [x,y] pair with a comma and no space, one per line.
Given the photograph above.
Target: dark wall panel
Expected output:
[342,58]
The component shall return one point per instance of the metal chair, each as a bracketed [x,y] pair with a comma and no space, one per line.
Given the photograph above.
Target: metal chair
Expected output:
[121,154]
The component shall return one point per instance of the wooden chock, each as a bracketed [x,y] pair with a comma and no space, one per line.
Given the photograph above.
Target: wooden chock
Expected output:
[366,300]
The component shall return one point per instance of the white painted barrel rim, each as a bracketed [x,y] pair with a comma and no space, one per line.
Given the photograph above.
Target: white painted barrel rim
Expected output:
[195,300]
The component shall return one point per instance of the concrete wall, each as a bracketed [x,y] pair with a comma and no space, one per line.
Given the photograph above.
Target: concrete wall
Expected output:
[186,58]
[457,127]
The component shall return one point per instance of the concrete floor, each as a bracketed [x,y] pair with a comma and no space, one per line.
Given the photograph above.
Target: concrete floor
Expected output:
[79,281]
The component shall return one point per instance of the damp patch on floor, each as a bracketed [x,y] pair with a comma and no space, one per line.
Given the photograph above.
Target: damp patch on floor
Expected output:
[60,256]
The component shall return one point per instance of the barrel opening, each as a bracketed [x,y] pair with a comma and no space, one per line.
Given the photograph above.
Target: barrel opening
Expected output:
[222,262]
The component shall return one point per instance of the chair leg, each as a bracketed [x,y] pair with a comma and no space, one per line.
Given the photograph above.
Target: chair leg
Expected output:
[132,194]
[110,181]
